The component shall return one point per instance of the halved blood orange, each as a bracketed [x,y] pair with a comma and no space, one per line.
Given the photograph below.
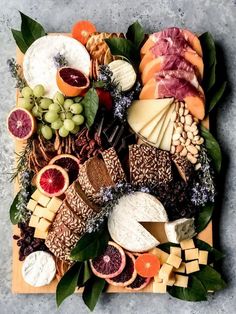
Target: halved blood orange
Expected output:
[82,30]
[21,124]
[72,82]
[147,265]
[52,180]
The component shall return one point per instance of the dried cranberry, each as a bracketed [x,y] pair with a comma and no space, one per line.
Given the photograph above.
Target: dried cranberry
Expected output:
[19,242]
[16,237]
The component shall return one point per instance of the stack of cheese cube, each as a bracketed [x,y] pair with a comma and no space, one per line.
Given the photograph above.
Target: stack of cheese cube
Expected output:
[174,271]
[43,210]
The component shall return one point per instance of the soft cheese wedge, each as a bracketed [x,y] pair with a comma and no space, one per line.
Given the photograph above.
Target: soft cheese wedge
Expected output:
[124,222]
[141,112]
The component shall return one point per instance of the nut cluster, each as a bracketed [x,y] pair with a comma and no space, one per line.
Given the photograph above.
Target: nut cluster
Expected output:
[186,140]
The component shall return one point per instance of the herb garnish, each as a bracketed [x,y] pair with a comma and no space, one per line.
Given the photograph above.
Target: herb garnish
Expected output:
[16,73]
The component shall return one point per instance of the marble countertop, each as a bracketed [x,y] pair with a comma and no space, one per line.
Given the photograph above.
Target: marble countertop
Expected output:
[218,17]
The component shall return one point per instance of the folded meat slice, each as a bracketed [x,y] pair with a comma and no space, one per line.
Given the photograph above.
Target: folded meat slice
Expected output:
[178,88]
[170,33]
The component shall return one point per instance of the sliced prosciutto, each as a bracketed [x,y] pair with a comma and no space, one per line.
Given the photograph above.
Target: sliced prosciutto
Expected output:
[178,88]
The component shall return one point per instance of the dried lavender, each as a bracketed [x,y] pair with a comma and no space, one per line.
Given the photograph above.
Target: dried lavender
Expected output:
[204,189]
[16,73]
[60,60]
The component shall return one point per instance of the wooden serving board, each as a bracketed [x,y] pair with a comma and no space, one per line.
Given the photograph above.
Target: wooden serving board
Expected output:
[21,287]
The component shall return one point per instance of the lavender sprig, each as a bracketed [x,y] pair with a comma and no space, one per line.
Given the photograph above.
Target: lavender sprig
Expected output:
[60,60]
[16,73]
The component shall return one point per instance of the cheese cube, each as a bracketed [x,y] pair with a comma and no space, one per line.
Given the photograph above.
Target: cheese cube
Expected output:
[48,214]
[39,211]
[202,257]
[163,256]
[165,271]
[187,244]
[181,281]
[181,268]
[31,205]
[171,280]
[43,200]
[157,279]
[191,254]
[43,224]
[34,220]
[36,195]
[54,204]
[40,234]
[175,250]
[174,260]
[159,287]
[192,267]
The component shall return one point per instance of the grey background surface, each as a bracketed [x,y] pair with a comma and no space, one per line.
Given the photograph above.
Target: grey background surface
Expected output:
[218,17]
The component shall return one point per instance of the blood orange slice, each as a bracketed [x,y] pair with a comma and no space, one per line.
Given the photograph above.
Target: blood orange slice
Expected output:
[68,162]
[147,265]
[21,124]
[72,82]
[52,180]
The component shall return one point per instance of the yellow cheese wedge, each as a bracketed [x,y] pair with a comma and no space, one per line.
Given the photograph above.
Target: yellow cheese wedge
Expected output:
[141,112]
[167,137]
[155,133]
[181,281]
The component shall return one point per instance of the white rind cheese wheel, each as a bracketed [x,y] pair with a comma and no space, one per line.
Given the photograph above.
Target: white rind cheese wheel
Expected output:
[39,66]
[123,74]
[39,269]
[124,222]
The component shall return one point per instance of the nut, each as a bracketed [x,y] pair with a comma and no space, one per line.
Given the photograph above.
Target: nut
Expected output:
[190,135]
[200,141]
[186,128]
[191,158]
[176,143]
[186,111]
[176,136]
[181,111]
[195,132]
[182,140]
[179,129]
[188,142]
[182,120]
[198,166]
[184,135]
[172,149]
[188,119]
[179,148]
[184,152]
[192,149]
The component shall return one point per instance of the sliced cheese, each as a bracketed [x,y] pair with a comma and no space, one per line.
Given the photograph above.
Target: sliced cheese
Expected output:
[124,221]
[156,131]
[141,112]
[167,137]
[180,229]
[147,130]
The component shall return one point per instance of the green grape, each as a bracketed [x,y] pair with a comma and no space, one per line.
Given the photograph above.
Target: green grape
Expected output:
[45,103]
[69,124]
[38,91]
[58,98]
[56,124]
[37,112]
[51,116]
[26,103]
[27,92]
[75,130]
[69,115]
[78,119]
[46,132]
[63,132]
[39,128]
[68,103]
[77,99]
[54,107]
[76,108]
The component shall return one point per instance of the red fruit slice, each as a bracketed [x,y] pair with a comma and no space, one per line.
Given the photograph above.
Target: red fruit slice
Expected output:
[111,263]
[147,265]
[21,124]
[139,283]
[104,98]
[52,180]
[69,163]
[128,275]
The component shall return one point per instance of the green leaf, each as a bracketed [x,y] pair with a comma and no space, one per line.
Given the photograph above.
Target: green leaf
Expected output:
[17,35]
[124,48]
[68,283]
[213,148]
[92,291]
[30,29]
[204,217]
[210,278]
[195,291]
[209,50]
[14,210]
[90,245]
[210,77]
[90,104]
[214,254]
[85,274]
[135,34]
[216,96]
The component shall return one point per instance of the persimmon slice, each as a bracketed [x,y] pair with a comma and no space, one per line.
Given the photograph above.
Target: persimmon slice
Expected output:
[82,30]
[147,265]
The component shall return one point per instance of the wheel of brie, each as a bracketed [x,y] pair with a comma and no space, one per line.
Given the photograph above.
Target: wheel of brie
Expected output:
[39,269]
[39,66]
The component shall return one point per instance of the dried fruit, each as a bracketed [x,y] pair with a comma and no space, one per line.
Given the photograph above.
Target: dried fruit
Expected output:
[68,162]
[139,283]
[72,82]
[105,98]
[21,124]
[128,275]
[147,265]
[52,180]
[111,263]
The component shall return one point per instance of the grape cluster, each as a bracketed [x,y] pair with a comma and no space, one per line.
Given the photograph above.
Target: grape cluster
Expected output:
[64,115]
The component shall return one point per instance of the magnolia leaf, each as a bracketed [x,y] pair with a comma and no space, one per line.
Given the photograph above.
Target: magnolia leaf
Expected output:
[85,274]
[17,35]
[209,50]
[204,217]
[92,291]
[210,278]
[214,254]
[14,210]
[90,104]
[213,99]
[135,34]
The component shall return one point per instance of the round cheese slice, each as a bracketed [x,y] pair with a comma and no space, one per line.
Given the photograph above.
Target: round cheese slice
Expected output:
[39,66]
[124,221]
[123,74]
[39,269]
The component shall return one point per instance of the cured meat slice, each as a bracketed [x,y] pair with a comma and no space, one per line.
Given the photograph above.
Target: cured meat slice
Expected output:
[181,89]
